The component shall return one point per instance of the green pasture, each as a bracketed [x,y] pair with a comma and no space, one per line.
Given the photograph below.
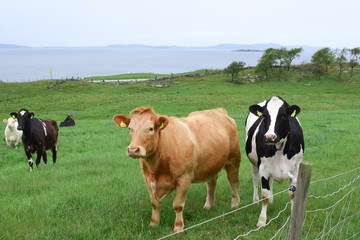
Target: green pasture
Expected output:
[96,192]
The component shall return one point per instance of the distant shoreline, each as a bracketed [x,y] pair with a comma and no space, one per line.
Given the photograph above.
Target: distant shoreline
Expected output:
[248,50]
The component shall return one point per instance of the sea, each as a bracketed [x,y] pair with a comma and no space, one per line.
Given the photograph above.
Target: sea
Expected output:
[32,64]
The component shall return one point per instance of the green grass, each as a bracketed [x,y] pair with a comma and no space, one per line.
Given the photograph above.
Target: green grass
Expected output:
[143,75]
[96,192]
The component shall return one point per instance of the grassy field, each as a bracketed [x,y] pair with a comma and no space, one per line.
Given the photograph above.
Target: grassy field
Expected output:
[96,192]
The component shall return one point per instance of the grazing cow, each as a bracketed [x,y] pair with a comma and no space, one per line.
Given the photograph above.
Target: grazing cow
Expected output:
[175,152]
[274,146]
[12,134]
[38,136]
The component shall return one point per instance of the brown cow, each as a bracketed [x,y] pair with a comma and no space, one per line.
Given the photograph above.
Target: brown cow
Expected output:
[175,152]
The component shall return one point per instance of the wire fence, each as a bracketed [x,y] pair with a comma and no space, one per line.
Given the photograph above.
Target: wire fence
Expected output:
[338,220]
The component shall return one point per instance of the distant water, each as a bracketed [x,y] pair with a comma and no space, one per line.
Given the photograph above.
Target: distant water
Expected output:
[31,64]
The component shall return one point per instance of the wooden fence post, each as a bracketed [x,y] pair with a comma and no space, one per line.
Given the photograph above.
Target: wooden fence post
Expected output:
[299,201]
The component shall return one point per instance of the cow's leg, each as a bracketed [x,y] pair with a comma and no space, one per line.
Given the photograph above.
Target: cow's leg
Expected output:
[29,157]
[266,198]
[255,179]
[155,215]
[8,142]
[38,157]
[54,153]
[17,142]
[292,186]
[210,198]
[44,157]
[232,171]
[179,202]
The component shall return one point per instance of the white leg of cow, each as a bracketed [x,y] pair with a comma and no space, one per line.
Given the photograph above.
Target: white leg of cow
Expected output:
[262,217]
[255,179]
[8,143]
[210,198]
[179,202]
[292,186]
[266,193]
[31,163]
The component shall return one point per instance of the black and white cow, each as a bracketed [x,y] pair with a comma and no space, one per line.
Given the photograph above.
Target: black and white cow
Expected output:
[274,146]
[38,135]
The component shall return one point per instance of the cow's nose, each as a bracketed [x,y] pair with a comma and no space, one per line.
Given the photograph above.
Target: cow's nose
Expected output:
[270,137]
[132,150]
[19,128]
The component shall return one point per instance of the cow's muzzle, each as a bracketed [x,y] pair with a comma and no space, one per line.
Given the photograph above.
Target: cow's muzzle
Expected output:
[270,138]
[135,151]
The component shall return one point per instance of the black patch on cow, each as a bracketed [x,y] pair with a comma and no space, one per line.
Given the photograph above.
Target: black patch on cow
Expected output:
[251,134]
[292,188]
[265,183]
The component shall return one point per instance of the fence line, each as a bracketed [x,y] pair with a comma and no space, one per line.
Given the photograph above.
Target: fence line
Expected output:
[340,174]
[285,190]
[254,230]
[329,195]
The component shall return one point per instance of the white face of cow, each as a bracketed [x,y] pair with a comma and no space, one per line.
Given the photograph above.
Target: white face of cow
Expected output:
[276,114]
[11,123]
[272,112]
[144,131]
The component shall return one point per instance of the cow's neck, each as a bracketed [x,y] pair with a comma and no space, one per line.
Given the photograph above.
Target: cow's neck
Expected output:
[158,157]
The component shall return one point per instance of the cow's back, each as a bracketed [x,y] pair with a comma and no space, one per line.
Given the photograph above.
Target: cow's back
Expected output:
[52,131]
[216,138]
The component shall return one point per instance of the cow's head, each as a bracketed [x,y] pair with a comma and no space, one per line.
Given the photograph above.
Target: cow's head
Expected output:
[10,123]
[144,126]
[276,114]
[23,117]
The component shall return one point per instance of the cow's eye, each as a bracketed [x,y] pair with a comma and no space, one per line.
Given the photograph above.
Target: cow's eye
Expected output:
[284,116]
[151,129]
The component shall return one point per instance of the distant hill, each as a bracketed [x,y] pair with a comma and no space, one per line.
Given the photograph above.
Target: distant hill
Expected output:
[224,46]
[12,46]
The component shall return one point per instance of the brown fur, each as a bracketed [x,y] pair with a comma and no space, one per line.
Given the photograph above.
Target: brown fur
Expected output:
[182,151]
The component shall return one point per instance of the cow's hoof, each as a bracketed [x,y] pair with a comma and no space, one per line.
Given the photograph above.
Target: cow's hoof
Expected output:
[178,229]
[261,224]
[153,224]
[235,204]
[208,206]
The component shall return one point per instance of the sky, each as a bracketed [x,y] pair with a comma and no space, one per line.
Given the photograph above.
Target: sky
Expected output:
[75,23]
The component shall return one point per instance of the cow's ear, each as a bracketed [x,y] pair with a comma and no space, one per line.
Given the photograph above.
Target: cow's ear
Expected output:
[13,114]
[294,110]
[32,115]
[5,121]
[256,109]
[161,123]
[121,120]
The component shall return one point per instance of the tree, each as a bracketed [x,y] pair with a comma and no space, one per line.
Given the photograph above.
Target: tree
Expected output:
[354,59]
[234,68]
[291,55]
[341,59]
[266,62]
[280,59]
[321,61]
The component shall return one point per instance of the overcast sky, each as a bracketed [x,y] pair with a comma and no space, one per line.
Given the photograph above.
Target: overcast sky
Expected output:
[39,23]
